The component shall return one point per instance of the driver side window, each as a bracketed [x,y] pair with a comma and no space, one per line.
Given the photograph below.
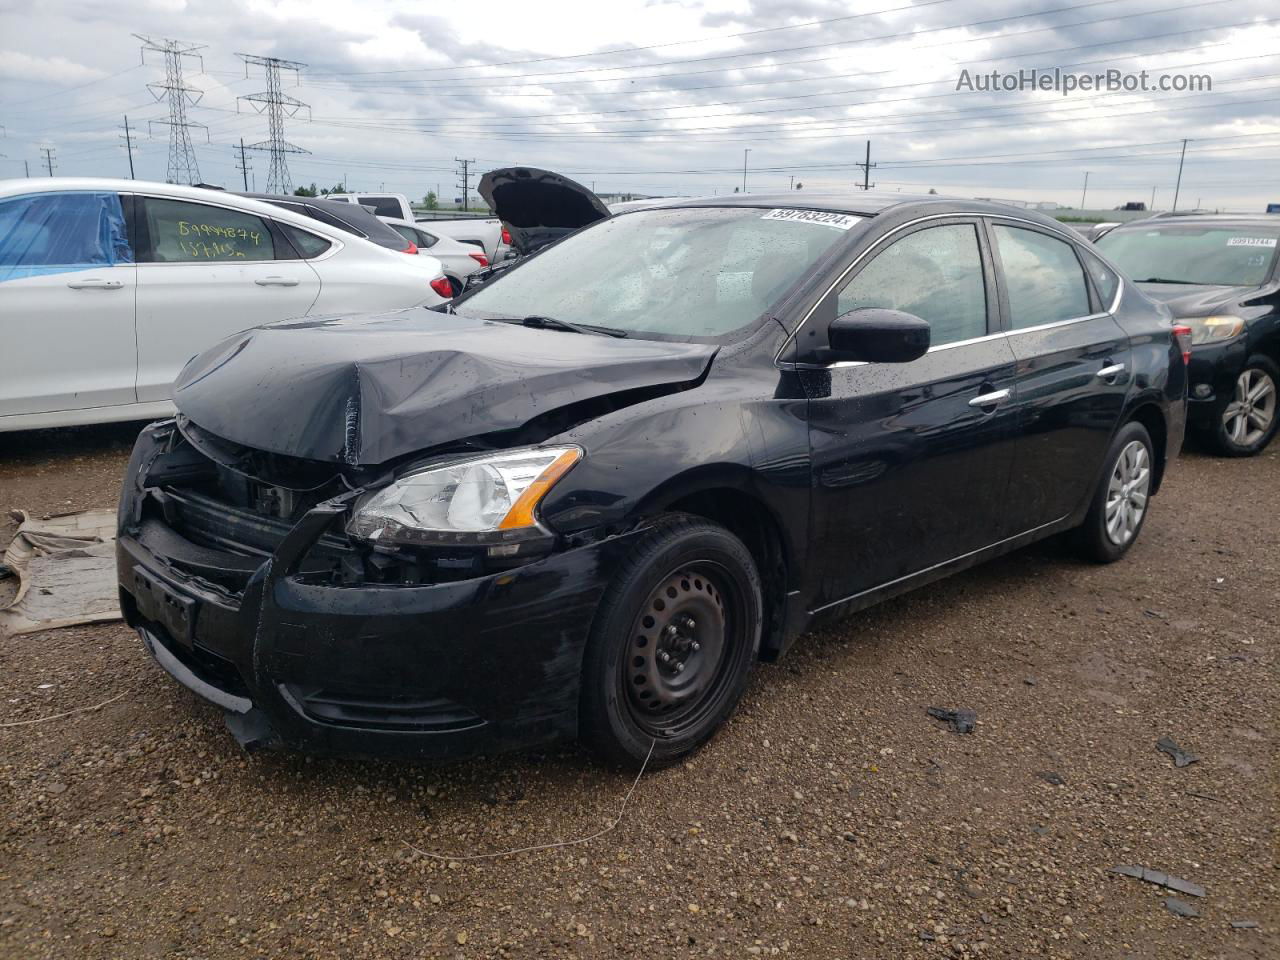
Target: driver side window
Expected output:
[935,274]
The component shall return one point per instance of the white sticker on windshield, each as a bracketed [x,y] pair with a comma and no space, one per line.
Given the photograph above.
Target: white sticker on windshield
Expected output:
[1251,242]
[841,221]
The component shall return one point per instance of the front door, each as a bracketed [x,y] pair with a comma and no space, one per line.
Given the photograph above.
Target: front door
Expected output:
[1074,371]
[67,282]
[911,462]
[206,272]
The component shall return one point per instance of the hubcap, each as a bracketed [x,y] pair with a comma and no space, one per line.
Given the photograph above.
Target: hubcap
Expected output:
[1248,416]
[677,648]
[1127,492]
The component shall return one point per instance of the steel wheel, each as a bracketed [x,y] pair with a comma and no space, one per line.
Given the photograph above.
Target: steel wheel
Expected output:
[1127,492]
[1248,417]
[680,648]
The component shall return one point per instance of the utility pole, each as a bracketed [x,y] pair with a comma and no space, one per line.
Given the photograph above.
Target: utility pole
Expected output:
[182,167]
[1178,189]
[243,165]
[465,173]
[866,166]
[1153,199]
[128,145]
[793,184]
[277,105]
[744,169]
[26,169]
[1085,193]
[48,158]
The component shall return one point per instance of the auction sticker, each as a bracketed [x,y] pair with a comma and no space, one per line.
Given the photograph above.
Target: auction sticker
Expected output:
[824,218]
[1251,242]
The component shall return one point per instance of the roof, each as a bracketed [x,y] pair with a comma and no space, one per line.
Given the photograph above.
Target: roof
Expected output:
[1205,218]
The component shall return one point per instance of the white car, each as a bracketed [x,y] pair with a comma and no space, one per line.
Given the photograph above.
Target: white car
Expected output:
[458,260]
[108,288]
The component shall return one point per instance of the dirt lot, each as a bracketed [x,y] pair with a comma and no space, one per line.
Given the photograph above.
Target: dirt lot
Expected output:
[832,818]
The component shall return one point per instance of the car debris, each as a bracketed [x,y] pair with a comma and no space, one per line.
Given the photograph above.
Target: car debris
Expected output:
[1180,908]
[1245,924]
[1159,879]
[961,719]
[1050,776]
[1181,758]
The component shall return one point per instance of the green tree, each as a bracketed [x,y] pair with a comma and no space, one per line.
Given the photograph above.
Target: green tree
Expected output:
[306,191]
[430,201]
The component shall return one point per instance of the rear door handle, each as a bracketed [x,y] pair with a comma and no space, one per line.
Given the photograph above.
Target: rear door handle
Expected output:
[276,282]
[93,283]
[990,399]
[1111,371]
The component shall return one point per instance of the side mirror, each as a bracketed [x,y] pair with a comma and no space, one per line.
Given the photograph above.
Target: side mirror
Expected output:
[876,335]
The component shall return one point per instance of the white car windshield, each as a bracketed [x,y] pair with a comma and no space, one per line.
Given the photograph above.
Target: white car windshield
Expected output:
[1234,255]
[695,272]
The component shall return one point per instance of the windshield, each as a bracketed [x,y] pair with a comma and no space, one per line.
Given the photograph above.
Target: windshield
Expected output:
[1239,255]
[693,273]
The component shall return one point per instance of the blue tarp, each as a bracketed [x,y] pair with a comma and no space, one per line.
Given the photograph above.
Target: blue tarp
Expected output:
[46,233]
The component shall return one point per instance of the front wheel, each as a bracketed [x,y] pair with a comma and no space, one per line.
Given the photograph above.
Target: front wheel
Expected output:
[1119,507]
[1248,421]
[673,641]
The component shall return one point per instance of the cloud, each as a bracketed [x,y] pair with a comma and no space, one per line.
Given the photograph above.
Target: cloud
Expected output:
[51,69]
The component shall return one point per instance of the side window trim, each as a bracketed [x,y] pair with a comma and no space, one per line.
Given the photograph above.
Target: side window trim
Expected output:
[1006,318]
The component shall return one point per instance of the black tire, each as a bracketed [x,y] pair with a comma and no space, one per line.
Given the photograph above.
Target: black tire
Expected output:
[1257,368]
[1097,539]
[689,591]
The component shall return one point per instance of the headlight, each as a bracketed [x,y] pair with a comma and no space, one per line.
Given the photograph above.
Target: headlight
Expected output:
[1213,329]
[486,500]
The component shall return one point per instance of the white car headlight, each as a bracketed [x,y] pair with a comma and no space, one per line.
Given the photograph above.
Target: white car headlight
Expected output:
[490,499]
[1213,329]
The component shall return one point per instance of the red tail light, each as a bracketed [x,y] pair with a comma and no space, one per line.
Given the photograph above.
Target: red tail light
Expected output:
[412,248]
[1182,333]
[506,236]
[442,286]
[479,258]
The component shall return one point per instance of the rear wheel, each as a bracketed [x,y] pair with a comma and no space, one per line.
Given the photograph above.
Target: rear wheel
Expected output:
[673,642]
[1248,420]
[1119,507]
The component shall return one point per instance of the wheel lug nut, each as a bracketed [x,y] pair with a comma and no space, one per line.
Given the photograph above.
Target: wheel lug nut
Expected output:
[679,668]
[695,646]
[664,656]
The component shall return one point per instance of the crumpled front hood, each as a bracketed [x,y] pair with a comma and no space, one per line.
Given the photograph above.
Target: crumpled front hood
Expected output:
[539,206]
[367,389]
[1196,300]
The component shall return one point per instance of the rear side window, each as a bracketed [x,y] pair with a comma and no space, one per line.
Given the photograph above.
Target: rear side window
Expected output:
[383,206]
[183,232]
[1104,279]
[425,239]
[935,274]
[328,219]
[307,244]
[1045,280]
[60,232]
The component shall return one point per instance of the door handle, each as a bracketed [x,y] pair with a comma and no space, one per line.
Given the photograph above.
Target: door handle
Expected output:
[990,399]
[1111,371]
[276,282]
[93,283]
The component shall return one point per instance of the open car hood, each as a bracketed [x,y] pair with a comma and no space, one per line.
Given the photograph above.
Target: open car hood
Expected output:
[538,206]
[364,390]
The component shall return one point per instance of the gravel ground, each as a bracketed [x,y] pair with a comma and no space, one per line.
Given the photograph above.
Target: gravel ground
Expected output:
[831,818]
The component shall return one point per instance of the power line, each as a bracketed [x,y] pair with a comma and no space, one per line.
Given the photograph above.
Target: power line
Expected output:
[277,105]
[183,167]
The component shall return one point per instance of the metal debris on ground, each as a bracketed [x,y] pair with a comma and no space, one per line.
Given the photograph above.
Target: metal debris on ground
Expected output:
[961,719]
[1180,908]
[1181,758]
[1049,776]
[1245,924]
[1160,879]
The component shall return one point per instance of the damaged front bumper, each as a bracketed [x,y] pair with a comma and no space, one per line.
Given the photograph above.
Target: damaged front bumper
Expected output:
[430,670]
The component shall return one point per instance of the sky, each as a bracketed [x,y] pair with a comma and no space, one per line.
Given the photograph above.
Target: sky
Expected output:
[666,98]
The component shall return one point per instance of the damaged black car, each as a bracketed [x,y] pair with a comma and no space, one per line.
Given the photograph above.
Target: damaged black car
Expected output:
[583,500]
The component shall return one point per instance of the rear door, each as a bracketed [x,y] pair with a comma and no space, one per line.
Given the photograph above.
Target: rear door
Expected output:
[67,282]
[1074,370]
[207,271]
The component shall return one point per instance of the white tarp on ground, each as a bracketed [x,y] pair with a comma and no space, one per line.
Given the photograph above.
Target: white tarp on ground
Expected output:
[66,572]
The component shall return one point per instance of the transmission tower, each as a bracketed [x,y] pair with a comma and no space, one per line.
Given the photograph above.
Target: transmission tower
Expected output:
[183,167]
[277,105]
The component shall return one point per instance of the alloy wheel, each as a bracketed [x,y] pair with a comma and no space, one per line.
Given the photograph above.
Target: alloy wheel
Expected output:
[1248,417]
[1127,492]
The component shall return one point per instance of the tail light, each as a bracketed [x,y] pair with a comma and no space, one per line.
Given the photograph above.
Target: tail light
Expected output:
[479,258]
[1182,333]
[442,286]
[506,236]
[412,249]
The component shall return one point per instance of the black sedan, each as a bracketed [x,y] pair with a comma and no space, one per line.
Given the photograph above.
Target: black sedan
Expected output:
[1220,275]
[347,217]
[583,500]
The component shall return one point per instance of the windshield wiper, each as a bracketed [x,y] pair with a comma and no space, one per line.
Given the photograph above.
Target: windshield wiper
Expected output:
[551,323]
[1166,280]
